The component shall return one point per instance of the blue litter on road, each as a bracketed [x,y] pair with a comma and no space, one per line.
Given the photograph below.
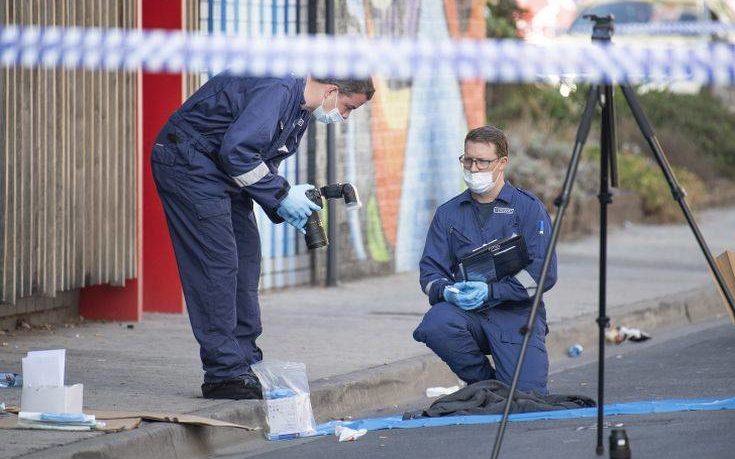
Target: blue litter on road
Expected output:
[616,409]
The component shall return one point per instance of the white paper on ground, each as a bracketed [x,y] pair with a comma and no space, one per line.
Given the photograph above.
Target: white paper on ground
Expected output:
[44,368]
[290,415]
[347,434]
[432,392]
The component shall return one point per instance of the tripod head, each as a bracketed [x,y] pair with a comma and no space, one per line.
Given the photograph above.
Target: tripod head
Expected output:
[604,27]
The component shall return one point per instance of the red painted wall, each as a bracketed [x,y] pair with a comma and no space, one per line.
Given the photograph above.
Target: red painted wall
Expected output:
[161,96]
[157,288]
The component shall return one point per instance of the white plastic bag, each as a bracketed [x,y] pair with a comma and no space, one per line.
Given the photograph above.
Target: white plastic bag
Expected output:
[432,392]
[287,399]
[346,434]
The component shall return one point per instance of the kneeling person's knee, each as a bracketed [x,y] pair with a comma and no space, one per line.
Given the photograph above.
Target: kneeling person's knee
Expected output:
[441,321]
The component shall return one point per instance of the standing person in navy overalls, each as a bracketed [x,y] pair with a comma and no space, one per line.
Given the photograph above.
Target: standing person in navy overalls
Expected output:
[216,155]
[470,320]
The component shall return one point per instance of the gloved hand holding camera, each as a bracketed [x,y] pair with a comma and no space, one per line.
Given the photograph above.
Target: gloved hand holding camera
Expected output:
[296,208]
[467,295]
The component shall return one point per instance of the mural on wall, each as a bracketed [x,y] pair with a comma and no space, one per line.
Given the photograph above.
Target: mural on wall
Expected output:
[401,150]
[286,261]
[416,127]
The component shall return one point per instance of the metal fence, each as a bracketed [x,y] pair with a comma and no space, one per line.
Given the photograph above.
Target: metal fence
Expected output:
[68,162]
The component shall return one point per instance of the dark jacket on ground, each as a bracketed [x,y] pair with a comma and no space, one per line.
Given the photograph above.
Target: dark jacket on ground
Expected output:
[488,397]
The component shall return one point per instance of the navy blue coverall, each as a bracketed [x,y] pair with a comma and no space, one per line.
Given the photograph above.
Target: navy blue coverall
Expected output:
[216,154]
[463,338]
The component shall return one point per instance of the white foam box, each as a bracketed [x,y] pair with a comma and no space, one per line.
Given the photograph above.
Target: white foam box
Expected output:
[52,399]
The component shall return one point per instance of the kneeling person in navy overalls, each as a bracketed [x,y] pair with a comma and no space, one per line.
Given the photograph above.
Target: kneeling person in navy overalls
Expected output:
[216,155]
[470,320]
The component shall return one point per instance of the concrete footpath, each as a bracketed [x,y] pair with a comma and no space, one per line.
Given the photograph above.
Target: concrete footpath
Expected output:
[355,340]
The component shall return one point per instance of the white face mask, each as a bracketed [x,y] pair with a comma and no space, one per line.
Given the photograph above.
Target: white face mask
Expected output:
[334,116]
[479,182]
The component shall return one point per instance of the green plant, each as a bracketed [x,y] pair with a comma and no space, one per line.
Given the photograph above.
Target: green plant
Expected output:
[697,131]
[541,104]
[502,17]
[540,167]
[642,176]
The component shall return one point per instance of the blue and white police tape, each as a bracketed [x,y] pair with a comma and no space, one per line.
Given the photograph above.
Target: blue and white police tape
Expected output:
[353,56]
[701,28]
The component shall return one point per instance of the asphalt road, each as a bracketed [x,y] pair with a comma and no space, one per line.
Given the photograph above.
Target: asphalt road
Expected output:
[691,363]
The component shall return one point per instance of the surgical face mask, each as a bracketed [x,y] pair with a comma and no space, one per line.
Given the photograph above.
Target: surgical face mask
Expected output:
[334,116]
[479,182]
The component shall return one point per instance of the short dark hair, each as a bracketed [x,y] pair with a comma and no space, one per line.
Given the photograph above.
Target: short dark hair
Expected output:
[489,135]
[350,87]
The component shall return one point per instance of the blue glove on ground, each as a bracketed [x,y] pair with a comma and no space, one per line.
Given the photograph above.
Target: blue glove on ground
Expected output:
[296,208]
[467,295]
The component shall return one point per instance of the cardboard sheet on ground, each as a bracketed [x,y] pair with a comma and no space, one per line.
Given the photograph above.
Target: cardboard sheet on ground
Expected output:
[116,421]
[175,418]
[726,263]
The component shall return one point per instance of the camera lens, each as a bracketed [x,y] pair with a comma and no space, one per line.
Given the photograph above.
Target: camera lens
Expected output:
[316,237]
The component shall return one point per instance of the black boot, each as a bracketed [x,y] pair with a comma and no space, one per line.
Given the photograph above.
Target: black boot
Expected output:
[245,387]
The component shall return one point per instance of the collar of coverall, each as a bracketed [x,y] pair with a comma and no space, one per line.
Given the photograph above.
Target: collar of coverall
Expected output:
[505,195]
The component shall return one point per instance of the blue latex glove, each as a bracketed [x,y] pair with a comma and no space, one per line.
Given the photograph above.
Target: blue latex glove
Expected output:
[296,207]
[467,295]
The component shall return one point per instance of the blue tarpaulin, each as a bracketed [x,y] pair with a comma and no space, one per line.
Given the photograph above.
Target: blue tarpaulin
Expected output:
[615,409]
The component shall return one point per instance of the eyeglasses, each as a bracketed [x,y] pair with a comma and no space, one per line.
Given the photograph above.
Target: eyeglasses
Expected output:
[481,164]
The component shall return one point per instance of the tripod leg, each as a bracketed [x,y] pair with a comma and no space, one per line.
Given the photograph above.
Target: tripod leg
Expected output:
[607,173]
[609,120]
[561,203]
[676,190]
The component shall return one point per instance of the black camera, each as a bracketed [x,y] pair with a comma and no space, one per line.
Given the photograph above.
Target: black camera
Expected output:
[604,27]
[315,236]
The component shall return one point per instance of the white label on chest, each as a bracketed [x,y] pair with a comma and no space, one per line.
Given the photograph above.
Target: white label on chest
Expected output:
[503,210]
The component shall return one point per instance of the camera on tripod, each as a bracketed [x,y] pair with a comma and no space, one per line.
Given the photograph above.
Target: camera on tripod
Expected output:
[604,26]
[315,235]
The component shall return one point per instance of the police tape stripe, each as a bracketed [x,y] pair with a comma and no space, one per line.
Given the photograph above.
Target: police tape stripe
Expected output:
[673,28]
[349,56]
[680,29]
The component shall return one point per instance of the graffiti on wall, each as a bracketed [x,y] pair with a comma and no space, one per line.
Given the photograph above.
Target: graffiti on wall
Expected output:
[416,128]
[401,150]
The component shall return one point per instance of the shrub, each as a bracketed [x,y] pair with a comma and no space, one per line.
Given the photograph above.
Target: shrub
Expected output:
[696,131]
[640,174]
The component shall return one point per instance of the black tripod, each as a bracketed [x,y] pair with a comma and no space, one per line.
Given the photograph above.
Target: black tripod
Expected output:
[603,94]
